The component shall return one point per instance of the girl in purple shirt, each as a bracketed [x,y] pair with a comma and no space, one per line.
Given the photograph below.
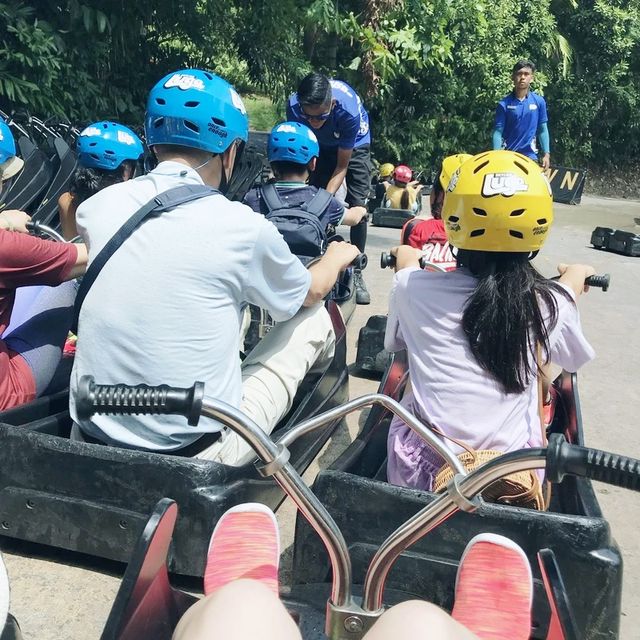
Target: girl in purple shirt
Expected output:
[472,335]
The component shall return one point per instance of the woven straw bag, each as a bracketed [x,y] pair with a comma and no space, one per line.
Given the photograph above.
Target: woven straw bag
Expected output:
[520,489]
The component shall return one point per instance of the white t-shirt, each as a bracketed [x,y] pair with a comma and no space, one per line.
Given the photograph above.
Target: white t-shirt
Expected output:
[451,389]
[165,309]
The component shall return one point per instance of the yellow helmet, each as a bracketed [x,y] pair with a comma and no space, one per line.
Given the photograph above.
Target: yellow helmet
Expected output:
[386,169]
[498,201]
[450,164]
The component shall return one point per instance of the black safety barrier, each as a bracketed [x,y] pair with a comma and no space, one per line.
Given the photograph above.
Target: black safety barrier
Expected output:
[625,242]
[566,184]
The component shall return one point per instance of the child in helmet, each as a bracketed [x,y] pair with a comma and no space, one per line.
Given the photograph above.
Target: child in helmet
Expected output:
[31,347]
[403,192]
[108,153]
[477,337]
[385,172]
[426,232]
[292,151]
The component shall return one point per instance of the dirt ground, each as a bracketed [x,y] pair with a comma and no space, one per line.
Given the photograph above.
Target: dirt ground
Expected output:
[58,595]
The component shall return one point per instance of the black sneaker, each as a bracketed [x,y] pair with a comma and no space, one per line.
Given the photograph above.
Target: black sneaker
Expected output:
[362,295]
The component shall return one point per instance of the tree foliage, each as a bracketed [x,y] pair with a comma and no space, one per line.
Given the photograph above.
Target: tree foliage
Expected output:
[430,71]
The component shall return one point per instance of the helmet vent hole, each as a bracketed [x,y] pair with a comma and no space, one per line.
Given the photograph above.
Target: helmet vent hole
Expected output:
[522,167]
[192,103]
[481,166]
[161,101]
[516,234]
[220,123]
[516,212]
[93,144]
[484,155]
[209,76]
[479,212]
[105,126]
[158,122]
[109,152]
[192,125]
[542,221]
[453,219]
[477,232]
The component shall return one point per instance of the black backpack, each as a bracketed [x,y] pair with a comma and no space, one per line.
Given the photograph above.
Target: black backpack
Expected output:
[299,224]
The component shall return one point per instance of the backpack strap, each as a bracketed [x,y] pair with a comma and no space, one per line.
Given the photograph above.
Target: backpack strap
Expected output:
[164,201]
[271,197]
[319,203]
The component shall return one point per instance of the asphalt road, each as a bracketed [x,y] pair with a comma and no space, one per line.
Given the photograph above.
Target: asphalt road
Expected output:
[62,596]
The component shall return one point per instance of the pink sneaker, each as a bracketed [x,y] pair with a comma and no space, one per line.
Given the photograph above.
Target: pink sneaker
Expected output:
[244,544]
[494,589]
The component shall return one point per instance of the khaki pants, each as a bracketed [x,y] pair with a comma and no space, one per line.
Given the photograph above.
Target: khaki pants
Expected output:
[271,375]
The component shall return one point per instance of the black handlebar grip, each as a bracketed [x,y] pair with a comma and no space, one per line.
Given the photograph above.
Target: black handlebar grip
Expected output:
[387,260]
[141,399]
[564,458]
[360,261]
[599,281]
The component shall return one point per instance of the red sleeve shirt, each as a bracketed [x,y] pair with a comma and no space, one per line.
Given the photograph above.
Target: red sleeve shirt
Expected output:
[25,261]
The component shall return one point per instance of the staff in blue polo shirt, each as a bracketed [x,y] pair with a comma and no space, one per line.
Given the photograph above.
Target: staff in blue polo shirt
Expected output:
[521,117]
[341,124]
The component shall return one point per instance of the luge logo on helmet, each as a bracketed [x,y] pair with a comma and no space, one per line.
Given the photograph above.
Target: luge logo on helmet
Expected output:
[286,128]
[454,180]
[184,81]
[125,138]
[91,131]
[503,184]
[237,102]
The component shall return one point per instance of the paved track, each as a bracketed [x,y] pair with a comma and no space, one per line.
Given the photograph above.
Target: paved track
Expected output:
[57,596]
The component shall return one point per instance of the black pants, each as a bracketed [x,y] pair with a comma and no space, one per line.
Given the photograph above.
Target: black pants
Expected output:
[358,183]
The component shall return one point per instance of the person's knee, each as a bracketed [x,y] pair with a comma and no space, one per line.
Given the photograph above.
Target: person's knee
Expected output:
[415,618]
[237,610]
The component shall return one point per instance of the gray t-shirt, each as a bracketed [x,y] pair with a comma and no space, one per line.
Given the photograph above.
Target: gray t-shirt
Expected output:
[166,307]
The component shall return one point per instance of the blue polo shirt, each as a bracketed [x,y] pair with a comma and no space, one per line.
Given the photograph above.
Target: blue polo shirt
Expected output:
[348,125]
[519,121]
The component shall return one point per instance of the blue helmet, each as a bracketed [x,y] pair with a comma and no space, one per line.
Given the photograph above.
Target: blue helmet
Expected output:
[195,108]
[292,142]
[10,164]
[7,143]
[106,145]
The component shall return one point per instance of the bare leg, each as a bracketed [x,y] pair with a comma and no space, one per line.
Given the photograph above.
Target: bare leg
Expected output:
[415,619]
[241,610]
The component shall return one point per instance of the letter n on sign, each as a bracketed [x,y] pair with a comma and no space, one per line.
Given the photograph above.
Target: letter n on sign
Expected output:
[566,184]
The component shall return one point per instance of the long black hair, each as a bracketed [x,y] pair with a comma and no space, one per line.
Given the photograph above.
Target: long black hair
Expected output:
[438,195]
[87,182]
[504,318]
